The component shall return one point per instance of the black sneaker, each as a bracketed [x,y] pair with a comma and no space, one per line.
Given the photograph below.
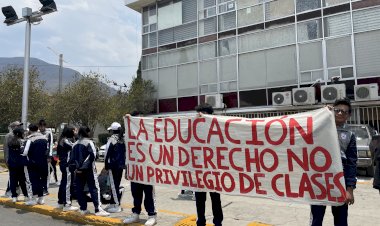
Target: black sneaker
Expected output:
[45,193]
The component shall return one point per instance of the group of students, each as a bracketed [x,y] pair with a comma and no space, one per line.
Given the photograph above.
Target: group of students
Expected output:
[27,162]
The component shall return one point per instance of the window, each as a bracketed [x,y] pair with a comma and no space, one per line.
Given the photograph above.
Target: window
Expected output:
[339,52]
[281,66]
[167,82]
[169,15]
[250,15]
[245,3]
[366,20]
[227,68]
[252,70]
[334,2]
[305,5]
[149,61]
[227,21]
[207,50]
[151,75]
[278,9]
[227,46]
[208,72]
[337,25]
[367,53]
[188,79]
[267,39]
[207,26]
[310,56]
[309,30]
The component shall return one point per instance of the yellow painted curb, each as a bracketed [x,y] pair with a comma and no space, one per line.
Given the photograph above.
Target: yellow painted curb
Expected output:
[255,223]
[189,221]
[69,216]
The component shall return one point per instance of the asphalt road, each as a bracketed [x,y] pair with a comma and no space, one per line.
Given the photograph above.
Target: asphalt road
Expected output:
[16,217]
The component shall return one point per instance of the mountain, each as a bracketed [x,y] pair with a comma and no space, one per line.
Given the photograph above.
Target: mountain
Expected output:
[48,72]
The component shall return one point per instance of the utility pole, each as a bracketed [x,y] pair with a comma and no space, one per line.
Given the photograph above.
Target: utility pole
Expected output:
[60,72]
[60,55]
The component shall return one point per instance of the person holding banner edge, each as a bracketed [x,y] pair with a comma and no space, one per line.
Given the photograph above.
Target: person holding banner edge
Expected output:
[200,197]
[138,190]
[347,142]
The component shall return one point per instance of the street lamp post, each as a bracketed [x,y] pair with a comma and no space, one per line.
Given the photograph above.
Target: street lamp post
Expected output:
[11,18]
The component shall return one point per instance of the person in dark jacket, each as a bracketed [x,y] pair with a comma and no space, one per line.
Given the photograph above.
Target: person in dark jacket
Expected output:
[82,163]
[37,152]
[49,136]
[114,162]
[138,190]
[8,137]
[348,151]
[200,197]
[64,148]
[16,163]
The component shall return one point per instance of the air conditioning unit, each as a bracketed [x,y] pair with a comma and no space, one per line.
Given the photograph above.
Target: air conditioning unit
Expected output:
[331,93]
[304,96]
[215,100]
[282,98]
[366,92]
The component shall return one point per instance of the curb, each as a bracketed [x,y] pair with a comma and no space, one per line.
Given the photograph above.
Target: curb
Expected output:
[69,216]
[190,220]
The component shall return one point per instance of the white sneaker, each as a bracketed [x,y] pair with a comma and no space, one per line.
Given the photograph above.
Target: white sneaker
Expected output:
[134,217]
[151,221]
[31,202]
[58,183]
[109,206]
[7,194]
[59,206]
[14,199]
[114,209]
[84,212]
[70,208]
[41,200]
[102,213]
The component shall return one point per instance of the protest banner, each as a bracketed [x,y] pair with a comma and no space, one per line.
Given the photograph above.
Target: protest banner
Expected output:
[293,158]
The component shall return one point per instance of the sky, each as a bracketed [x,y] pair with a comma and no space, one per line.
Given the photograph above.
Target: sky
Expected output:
[93,35]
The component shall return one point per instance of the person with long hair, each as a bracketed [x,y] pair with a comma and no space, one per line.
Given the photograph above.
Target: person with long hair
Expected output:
[16,163]
[114,163]
[64,148]
[82,163]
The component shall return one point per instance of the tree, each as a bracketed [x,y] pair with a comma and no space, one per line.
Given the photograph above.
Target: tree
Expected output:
[11,89]
[141,96]
[82,102]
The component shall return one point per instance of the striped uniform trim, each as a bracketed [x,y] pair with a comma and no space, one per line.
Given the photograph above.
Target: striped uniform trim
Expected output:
[28,183]
[50,168]
[68,185]
[96,184]
[113,188]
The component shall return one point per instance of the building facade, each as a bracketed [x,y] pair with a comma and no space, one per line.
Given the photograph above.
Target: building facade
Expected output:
[247,50]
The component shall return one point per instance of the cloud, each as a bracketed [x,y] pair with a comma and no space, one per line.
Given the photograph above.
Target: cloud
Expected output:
[87,32]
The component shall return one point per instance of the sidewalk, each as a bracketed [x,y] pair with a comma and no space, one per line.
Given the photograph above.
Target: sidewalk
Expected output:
[238,210]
